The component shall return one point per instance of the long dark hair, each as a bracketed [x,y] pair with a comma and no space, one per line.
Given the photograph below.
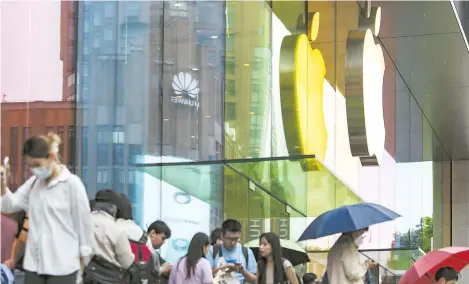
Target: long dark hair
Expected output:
[274,242]
[195,252]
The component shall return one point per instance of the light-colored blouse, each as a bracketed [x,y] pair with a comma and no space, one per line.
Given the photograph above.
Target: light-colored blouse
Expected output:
[202,273]
[60,229]
[344,265]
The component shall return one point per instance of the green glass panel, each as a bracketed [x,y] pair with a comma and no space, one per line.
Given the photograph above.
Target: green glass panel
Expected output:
[248,60]
[399,260]
[275,191]
[235,196]
[309,192]
[201,181]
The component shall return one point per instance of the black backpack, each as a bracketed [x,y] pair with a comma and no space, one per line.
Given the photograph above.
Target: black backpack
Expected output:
[217,252]
[143,269]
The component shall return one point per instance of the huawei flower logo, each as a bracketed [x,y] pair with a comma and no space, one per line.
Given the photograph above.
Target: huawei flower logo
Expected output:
[184,84]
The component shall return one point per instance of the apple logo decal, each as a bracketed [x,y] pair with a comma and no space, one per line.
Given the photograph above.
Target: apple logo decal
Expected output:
[301,75]
[364,74]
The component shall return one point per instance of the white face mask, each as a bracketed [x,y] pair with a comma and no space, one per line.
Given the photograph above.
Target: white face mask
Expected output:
[359,241]
[360,238]
[41,173]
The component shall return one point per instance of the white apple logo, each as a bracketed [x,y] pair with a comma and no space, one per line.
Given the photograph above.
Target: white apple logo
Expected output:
[364,73]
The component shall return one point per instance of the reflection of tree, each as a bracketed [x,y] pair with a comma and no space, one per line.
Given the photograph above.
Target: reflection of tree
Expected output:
[418,237]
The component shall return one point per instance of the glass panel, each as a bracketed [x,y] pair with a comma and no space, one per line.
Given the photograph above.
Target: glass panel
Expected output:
[381,273]
[236,187]
[285,179]
[188,77]
[318,264]
[258,213]
[248,61]
[200,181]
[189,198]
[398,260]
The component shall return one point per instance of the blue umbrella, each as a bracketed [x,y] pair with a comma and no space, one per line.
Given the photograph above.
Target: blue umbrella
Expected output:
[347,219]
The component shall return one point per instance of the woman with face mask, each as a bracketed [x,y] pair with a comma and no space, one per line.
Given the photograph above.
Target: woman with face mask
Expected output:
[60,232]
[343,261]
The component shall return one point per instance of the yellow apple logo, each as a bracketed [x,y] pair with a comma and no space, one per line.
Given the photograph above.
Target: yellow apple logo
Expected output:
[302,73]
[364,73]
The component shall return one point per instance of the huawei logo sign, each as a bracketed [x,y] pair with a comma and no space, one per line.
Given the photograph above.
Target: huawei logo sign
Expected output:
[184,84]
[186,90]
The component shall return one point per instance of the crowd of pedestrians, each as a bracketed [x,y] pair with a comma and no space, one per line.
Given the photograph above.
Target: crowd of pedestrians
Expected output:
[63,238]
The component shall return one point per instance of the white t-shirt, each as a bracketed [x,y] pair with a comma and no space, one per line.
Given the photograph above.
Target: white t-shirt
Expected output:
[269,272]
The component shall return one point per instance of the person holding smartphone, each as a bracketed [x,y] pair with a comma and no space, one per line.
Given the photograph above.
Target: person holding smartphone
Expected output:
[60,231]
[231,256]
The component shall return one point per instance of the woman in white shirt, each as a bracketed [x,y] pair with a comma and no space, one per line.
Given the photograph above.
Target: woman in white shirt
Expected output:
[60,231]
[344,265]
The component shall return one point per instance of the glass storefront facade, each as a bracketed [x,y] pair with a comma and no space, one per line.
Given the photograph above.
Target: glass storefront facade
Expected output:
[206,110]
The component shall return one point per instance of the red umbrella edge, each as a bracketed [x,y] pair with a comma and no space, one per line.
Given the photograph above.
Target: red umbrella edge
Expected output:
[423,270]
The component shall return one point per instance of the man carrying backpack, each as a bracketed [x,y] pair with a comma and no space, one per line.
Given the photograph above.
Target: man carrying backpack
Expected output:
[237,258]
[142,271]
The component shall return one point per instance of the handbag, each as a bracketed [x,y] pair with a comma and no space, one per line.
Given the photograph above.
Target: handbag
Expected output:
[101,271]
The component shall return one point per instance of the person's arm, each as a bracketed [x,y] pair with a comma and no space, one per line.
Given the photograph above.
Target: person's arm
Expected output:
[353,268]
[172,278]
[290,272]
[18,245]
[15,202]
[223,267]
[206,269]
[165,267]
[211,259]
[123,251]
[81,216]
[250,272]
[17,250]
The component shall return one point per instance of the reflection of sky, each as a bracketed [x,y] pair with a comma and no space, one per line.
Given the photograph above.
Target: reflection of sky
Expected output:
[414,184]
[31,65]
